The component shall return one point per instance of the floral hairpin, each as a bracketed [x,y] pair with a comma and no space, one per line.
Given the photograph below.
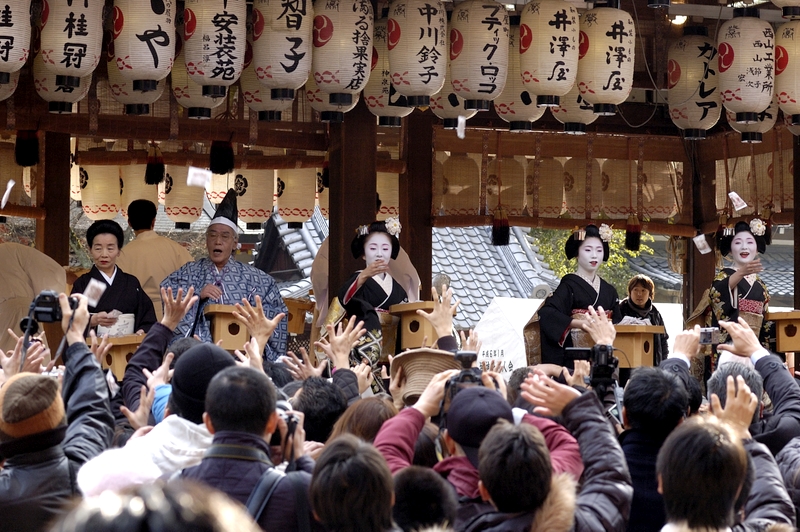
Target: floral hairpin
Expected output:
[758,227]
[606,234]
[393,226]
[362,230]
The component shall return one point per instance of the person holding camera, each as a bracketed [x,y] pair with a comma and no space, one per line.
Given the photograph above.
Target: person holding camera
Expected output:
[49,429]
[241,414]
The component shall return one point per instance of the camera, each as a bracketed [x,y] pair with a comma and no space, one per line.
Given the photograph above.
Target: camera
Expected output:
[45,308]
[602,358]
[284,408]
[709,335]
[466,378]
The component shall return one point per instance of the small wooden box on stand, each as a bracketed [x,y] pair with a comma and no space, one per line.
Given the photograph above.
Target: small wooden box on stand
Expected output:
[787,330]
[225,327]
[296,317]
[636,341]
[414,328]
[122,349]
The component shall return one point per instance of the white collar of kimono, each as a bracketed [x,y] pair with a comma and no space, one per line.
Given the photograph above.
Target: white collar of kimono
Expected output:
[109,280]
[386,282]
[225,221]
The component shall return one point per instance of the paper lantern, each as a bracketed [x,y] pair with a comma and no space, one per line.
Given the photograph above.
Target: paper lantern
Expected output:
[183,204]
[694,100]
[10,171]
[162,195]
[448,105]
[548,49]
[219,186]
[189,94]
[660,188]
[296,194]
[7,89]
[254,191]
[319,101]
[144,42]
[461,179]
[134,187]
[550,189]
[26,180]
[388,189]
[417,48]
[282,36]
[342,58]
[214,41]
[789,8]
[59,97]
[323,196]
[787,69]
[506,185]
[606,54]
[257,96]
[575,188]
[71,39]
[100,191]
[379,93]
[746,63]
[479,51]
[515,104]
[753,132]
[123,90]
[618,181]
[15,41]
[574,112]
[794,130]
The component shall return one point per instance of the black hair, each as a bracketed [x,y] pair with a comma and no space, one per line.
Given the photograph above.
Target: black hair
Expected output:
[655,401]
[102,227]
[357,245]
[425,446]
[423,499]
[718,383]
[180,346]
[278,372]
[240,399]
[724,241]
[518,376]
[322,403]
[141,213]
[574,242]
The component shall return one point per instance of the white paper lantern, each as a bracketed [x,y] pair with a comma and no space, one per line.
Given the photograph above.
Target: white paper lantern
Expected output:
[296,189]
[71,39]
[660,188]
[59,97]
[787,70]
[479,51]
[122,90]
[506,185]
[448,105]
[618,182]
[342,55]
[379,94]
[183,204]
[189,94]
[548,49]
[144,42]
[550,190]
[257,96]
[7,89]
[162,195]
[254,191]
[461,179]
[319,101]
[606,55]
[26,180]
[219,186]
[575,187]
[753,132]
[417,48]
[134,187]
[574,112]
[388,189]
[515,104]
[100,191]
[15,41]
[789,8]
[694,101]
[282,36]
[746,63]
[214,40]
[74,171]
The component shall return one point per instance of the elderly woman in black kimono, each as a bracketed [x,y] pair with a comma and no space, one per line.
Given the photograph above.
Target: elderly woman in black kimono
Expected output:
[563,312]
[123,291]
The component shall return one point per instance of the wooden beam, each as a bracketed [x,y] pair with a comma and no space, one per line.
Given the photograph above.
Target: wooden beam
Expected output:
[24,211]
[52,231]
[796,180]
[658,228]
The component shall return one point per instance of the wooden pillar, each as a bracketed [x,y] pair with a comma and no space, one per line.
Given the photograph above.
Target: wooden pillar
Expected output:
[796,182]
[416,195]
[353,195]
[52,233]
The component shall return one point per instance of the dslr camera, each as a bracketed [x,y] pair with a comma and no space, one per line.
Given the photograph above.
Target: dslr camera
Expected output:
[466,378]
[284,408]
[602,358]
[45,308]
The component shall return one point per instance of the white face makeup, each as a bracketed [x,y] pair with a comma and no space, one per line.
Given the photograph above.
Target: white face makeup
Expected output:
[743,248]
[590,256]
[378,246]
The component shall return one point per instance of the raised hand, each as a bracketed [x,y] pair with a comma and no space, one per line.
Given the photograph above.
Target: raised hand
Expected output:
[256,322]
[441,317]
[175,308]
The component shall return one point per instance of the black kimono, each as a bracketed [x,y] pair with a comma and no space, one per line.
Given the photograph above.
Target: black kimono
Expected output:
[727,303]
[573,295]
[125,295]
[651,313]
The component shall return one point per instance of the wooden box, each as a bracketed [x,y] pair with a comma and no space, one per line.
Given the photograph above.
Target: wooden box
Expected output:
[122,349]
[413,328]
[636,344]
[787,330]
[296,314]
[225,327]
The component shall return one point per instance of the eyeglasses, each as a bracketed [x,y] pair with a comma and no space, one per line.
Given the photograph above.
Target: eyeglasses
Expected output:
[212,235]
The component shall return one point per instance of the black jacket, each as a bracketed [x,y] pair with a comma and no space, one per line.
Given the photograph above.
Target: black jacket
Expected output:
[37,483]
[776,430]
[237,478]
[650,312]
[641,452]
[789,462]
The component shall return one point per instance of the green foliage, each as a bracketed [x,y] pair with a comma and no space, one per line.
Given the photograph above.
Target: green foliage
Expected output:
[616,271]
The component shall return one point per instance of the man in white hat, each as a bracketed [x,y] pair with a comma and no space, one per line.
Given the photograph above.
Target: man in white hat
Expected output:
[221,279]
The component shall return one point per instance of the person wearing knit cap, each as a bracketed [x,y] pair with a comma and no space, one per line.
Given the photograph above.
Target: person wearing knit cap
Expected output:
[221,279]
[179,441]
[48,430]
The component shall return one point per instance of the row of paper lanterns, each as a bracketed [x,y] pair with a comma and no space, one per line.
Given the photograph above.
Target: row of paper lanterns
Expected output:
[105,190]
[613,186]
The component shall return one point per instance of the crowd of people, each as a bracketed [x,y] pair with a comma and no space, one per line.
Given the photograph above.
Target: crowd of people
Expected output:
[197,438]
